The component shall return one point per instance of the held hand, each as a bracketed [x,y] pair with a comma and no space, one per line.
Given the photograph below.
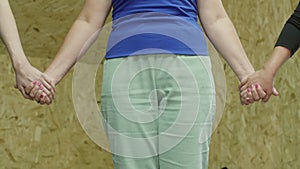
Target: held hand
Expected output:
[26,74]
[257,83]
[251,94]
[37,91]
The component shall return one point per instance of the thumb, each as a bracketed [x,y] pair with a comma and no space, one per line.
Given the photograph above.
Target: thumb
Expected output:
[275,92]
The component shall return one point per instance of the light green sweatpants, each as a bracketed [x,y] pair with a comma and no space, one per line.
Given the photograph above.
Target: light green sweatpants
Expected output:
[158,111]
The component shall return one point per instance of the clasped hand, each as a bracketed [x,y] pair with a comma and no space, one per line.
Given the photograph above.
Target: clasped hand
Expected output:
[35,85]
[256,87]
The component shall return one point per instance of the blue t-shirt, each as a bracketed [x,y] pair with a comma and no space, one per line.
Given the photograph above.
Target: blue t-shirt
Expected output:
[155,27]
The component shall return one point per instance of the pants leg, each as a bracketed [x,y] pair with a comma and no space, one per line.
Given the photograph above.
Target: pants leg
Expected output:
[129,108]
[189,109]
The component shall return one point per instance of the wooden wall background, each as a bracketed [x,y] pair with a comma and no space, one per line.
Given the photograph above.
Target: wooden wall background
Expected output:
[262,136]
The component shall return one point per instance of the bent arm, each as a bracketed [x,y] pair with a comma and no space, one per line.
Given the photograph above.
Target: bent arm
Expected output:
[89,22]
[10,36]
[287,44]
[223,36]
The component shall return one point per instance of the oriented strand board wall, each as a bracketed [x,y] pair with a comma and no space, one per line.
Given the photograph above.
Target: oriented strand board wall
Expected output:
[258,136]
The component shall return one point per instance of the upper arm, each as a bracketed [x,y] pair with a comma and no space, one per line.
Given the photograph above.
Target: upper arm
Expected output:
[4,4]
[95,11]
[210,10]
[295,18]
[6,18]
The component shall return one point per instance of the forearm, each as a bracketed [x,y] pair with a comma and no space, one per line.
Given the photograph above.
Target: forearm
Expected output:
[70,51]
[10,36]
[222,34]
[287,44]
[225,39]
[278,57]
[80,37]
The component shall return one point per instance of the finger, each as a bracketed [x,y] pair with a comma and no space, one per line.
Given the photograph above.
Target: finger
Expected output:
[48,97]
[51,83]
[266,98]
[48,101]
[34,90]
[243,93]
[254,93]
[250,98]
[25,95]
[244,87]
[244,98]
[42,98]
[260,91]
[275,92]
[30,87]
[16,86]
[246,101]
[48,88]
[38,96]
[243,82]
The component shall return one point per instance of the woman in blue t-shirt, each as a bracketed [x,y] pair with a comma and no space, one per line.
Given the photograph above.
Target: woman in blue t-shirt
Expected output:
[158,94]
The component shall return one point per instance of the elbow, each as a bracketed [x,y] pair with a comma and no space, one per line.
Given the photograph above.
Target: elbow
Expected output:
[212,19]
[207,17]
[90,20]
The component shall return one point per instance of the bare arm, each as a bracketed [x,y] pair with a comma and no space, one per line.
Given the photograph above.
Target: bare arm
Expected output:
[286,45]
[278,57]
[265,76]
[89,21]
[10,36]
[223,36]
[25,73]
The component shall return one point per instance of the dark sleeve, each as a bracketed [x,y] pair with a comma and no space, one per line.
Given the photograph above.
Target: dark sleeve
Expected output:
[290,34]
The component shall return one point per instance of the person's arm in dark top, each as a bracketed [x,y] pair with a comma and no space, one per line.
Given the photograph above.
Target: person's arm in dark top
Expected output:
[287,44]
[290,34]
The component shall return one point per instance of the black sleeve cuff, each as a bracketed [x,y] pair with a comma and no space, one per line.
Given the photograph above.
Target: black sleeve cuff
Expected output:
[289,38]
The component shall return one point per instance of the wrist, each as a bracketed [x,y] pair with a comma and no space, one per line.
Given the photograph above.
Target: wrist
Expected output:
[269,70]
[17,56]
[19,65]
[54,78]
[276,59]
[245,74]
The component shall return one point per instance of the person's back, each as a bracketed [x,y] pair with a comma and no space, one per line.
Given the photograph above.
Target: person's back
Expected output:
[155,27]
